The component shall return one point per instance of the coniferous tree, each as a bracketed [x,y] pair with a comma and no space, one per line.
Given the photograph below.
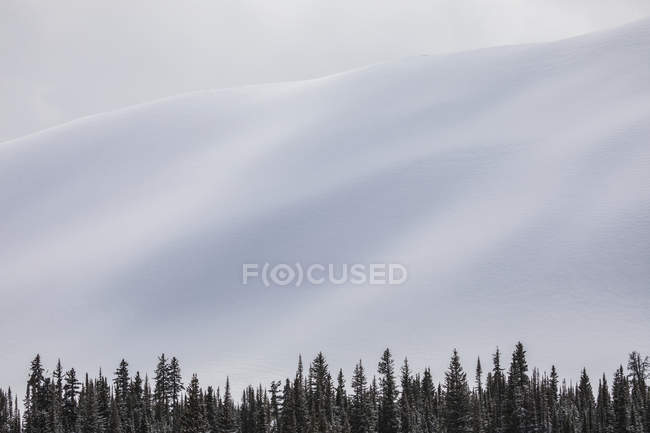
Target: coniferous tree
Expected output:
[496,387]
[527,404]
[88,421]
[161,393]
[408,402]
[175,386]
[430,422]
[103,395]
[9,413]
[70,391]
[388,416]
[552,401]
[621,402]
[115,424]
[638,371]
[586,404]
[321,395]
[604,410]
[300,400]
[211,410]
[227,422]
[288,423]
[518,399]
[194,420]
[360,406]
[146,423]
[36,399]
[457,403]
[121,387]
[276,401]
[479,422]
[341,410]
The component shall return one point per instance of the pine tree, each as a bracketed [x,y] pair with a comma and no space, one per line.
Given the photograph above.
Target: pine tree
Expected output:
[409,422]
[621,402]
[70,391]
[146,423]
[136,403]
[457,403]
[88,421]
[586,404]
[103,394]
[115,424]
[604,410]
[518,399]
[321,395]
[161,393]
[211,408]
[275,406]
[552,400]
[479,423]
[496,387]
[121,386]
[638,371]
[430,422]
[175,386]
[360,406]
[194,420]
[288,415]
[388,421]
[342,420]
[227,422]
[300,400]
[36,399]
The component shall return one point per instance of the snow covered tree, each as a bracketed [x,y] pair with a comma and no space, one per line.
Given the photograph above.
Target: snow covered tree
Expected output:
[388,419]
[457,402]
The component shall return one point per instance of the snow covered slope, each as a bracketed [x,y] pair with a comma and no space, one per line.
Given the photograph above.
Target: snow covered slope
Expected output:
[513,183]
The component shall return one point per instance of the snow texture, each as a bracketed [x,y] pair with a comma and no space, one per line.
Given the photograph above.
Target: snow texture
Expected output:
[513,183]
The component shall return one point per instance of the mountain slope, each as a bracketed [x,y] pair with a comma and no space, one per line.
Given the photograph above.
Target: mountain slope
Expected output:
[513,183]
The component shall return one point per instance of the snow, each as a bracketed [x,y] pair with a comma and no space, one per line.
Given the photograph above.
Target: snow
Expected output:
[513,183]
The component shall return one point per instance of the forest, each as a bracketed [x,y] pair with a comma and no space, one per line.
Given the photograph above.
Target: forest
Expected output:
[502,399]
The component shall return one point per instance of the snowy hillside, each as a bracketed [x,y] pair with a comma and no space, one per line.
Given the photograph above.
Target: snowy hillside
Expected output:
[513,183]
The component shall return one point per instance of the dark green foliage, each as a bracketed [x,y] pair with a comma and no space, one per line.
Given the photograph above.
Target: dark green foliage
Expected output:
[522,402]
[194,419]
[388,421]
[457,401]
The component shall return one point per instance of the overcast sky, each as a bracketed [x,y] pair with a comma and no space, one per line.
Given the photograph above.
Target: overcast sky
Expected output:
[65,59]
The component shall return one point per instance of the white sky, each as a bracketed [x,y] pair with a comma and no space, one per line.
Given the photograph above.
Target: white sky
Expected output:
[65,59]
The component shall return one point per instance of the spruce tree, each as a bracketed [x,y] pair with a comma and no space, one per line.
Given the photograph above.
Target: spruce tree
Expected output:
[36,399]
[161,393]
[388,419]
[194,420]
[288,423]
[360,406]
[621,402]
[430,422]
[517,413]
[586,404]
[457,403]
[604,410]
[121,387]
[228,422]
[321,395]
[276,401]
[175,386]
[301,409]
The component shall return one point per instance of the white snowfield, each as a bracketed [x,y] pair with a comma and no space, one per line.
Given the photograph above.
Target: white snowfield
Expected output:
[513,183]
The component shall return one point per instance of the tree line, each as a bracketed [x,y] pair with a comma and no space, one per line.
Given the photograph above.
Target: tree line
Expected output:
[504,400]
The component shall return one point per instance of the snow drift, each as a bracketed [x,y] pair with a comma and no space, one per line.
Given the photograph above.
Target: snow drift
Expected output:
[513,183]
